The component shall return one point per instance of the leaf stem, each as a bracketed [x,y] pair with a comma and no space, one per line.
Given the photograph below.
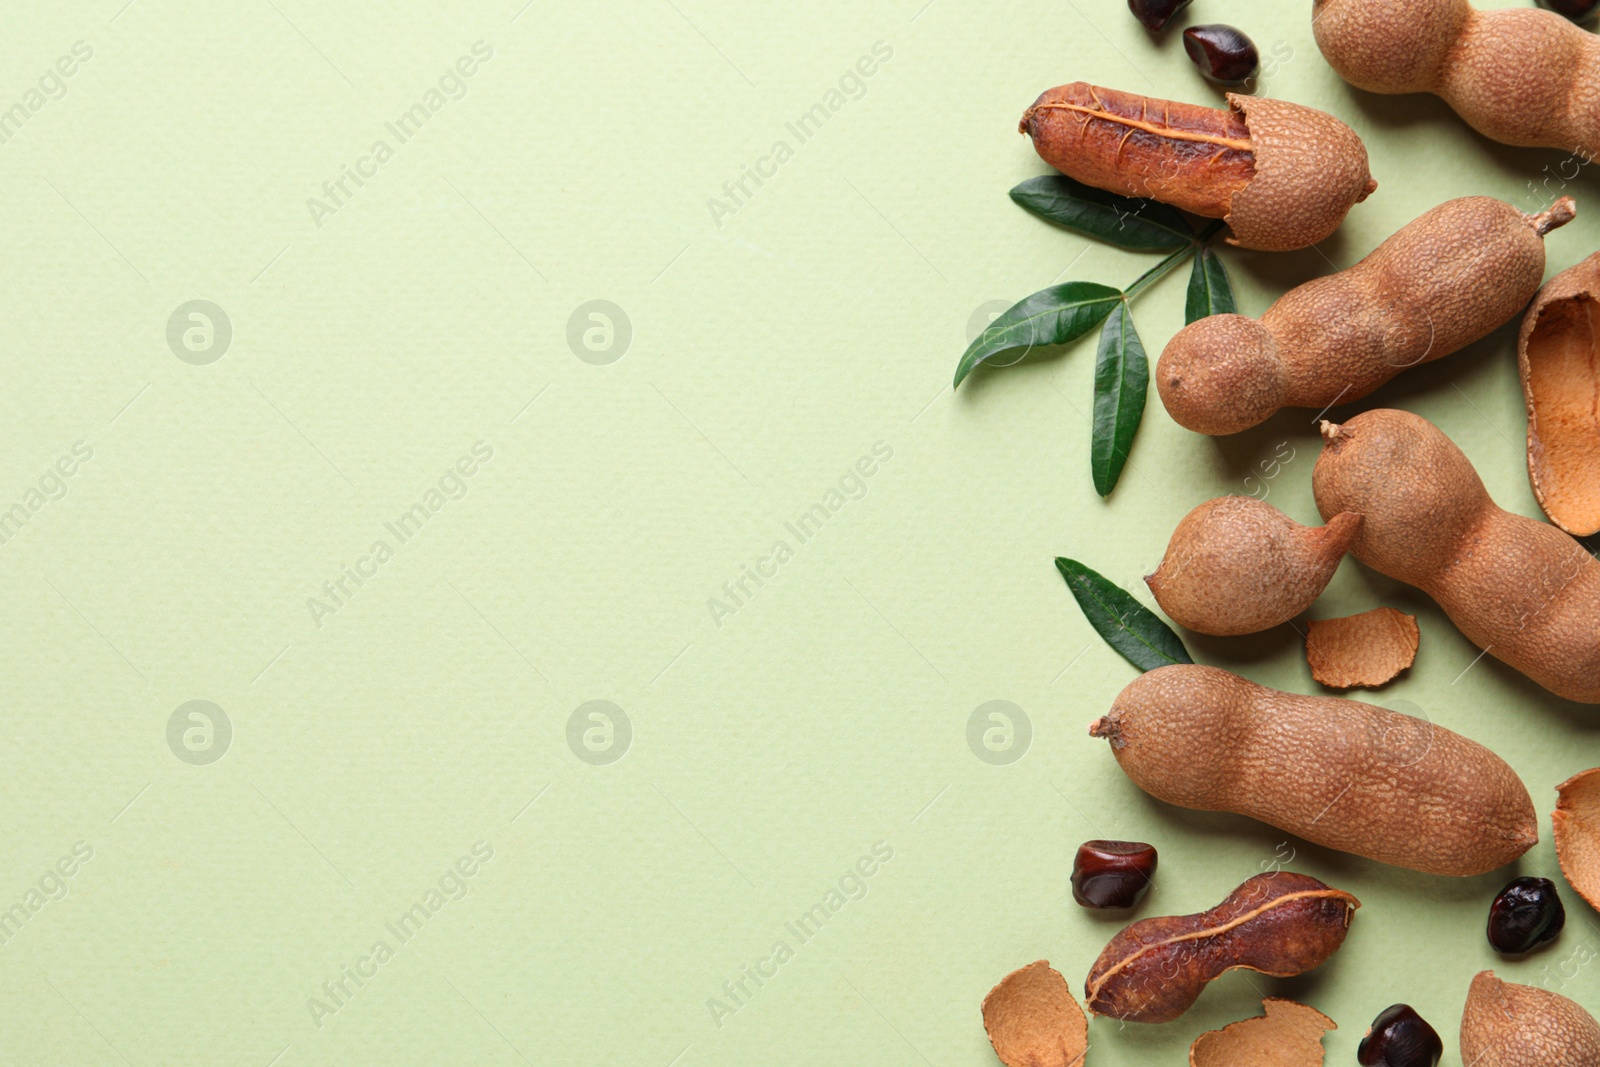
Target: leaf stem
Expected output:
[1155,273]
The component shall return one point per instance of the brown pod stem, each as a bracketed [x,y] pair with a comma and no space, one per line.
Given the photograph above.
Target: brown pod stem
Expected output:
[1518,76]
[1238,565]
[1519,589]
[1282,175]
[1510,1025]
[1558,353]
[1444,280]
[1339,773]
[1281,924]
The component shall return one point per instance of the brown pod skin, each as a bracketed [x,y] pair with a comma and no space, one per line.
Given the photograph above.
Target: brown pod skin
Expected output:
[1444,280]
[1559,356]
[1238,565]
[1281,924]
[1509,1025]
[1282,175]
[1518,76]
[1336,772]
[1516,587]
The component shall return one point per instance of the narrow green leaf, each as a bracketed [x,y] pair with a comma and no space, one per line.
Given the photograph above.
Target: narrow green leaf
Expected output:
[1127,625]
[1141,225]
[1051,316]
[1121,381]
[1209,290]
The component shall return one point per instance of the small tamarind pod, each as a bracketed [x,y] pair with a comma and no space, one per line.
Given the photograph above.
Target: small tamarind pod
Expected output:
[1558,352]
[1520,589]
[1238,565]
[1516,75]
[1444,280]
[1282,175]
[1281,924]
[1510,1025]
[1338,773]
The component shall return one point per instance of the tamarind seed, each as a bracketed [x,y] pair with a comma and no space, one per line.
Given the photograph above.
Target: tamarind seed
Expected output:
[1224,54]
[1576,10]
[1399,1037]
[1155,14]
[1527,913]
[1112,874]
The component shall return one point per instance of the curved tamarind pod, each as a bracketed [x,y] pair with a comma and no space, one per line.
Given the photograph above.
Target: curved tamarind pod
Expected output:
[1520,589]
[1516,75]
[1442,281]
[1282,175]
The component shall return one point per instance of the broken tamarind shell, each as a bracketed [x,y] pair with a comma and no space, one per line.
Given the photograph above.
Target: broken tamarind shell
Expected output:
[1558,352]
[1033,1021]
[1510,1025]
[1576,824]
[1370,649]
[1281,924]
[1238,565]
[1282,175]
[1288,1035]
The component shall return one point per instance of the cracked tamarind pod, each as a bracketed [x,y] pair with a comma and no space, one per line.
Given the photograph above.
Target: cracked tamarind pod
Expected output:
[1283,176]
[1444,280]
[1516,75]
[1281,924]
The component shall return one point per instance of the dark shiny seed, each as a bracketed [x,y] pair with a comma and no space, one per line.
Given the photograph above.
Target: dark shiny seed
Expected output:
[1576,10]
[1526,914]
[1155,14]
[1223,54]
[1112,874]
[1400,1038]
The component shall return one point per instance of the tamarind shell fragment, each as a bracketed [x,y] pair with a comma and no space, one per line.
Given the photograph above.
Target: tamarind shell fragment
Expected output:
[1559,356]
[1282,175]
[1281,924]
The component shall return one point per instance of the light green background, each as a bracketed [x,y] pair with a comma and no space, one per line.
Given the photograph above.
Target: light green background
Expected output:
[771,349]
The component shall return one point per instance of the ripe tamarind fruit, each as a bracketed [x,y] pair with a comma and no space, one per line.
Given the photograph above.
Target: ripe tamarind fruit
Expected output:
[1238,565]
[1442,281]
[1336,772]
[1281,924]
[1282,175]
[1510,1025]
[1518,76]
[1518,588]
[1559,356]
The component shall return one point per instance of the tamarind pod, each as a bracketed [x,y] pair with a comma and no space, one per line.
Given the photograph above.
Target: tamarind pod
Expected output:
[1336,772]
[1520,589]
[1282,175]
[1281,924]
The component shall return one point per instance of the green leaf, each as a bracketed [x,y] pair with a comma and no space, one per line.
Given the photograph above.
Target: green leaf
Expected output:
[1051,316]
[1121,381]
[1127,625]
[1209,291]
[1141,225]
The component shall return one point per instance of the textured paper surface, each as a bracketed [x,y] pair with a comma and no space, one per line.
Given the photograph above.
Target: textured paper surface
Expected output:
[434,719]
